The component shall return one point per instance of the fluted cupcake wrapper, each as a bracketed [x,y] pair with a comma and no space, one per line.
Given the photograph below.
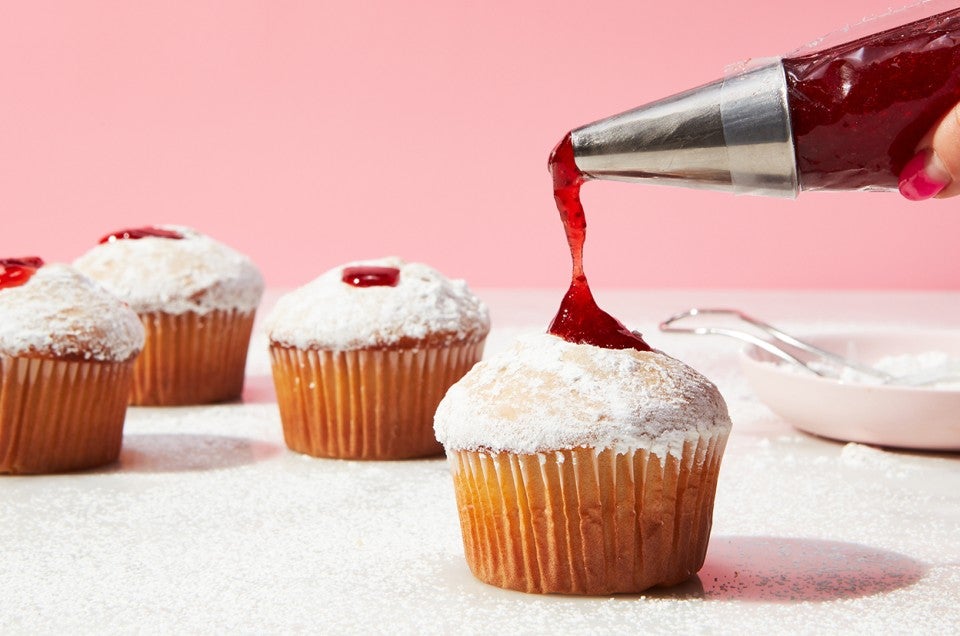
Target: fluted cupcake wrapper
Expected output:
[584,521]
[368,403]
[58,415]
[192,358]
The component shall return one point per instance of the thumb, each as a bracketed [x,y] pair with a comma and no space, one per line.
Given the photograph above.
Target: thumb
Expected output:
[935,169]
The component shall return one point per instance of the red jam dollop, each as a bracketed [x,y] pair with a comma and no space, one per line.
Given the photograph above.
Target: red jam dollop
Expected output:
[371,276]
[859,109]
[580,319]
[17,271]
[141,232]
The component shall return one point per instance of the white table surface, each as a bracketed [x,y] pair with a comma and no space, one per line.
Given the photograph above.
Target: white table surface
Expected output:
[208,524]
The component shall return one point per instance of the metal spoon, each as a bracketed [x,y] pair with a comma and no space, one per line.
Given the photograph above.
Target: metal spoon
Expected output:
[789,348]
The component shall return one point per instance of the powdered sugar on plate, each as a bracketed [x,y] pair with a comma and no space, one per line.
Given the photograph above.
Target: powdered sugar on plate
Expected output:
[548,394]
[929,369]
[938,367]
[61,313]
[175,276]
[330,314]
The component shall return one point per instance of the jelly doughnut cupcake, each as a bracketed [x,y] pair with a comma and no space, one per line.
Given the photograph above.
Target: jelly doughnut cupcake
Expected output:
[362,355]
[583,470]
[197,299]
[67,351]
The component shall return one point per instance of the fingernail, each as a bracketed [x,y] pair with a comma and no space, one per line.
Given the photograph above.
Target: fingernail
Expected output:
[923,177]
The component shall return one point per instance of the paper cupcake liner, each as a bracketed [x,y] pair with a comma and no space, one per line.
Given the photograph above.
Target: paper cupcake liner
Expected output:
[584,521]
[192,358]
[58,415]
[366,404]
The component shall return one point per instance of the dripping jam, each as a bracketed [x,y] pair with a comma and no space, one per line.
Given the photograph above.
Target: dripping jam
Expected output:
[580,319]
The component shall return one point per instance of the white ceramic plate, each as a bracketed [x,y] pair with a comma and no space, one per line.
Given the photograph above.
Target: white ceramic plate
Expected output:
[903,417]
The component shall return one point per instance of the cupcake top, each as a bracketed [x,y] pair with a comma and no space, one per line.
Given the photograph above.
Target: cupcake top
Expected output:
[60,313]
[378,303]
[546,394]
[175,270]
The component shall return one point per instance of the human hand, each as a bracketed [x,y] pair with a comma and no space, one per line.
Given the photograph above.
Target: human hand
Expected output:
[935,170]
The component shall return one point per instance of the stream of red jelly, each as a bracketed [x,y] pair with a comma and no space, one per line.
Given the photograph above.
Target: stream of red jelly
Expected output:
[141,232]
[17,271]
[371,276]
[859,109]
[579,319]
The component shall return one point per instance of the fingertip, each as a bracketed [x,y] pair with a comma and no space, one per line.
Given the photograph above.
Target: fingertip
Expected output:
[924,177]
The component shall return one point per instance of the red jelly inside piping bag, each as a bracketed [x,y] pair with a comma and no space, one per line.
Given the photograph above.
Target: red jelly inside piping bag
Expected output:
[141,232]
[859,109]
[17,271]
[580,319]
[371,276]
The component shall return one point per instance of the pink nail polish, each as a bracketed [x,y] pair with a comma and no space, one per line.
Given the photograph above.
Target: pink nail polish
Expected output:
[919,180]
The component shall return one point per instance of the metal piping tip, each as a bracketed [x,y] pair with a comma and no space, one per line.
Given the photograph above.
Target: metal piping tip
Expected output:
[732,134]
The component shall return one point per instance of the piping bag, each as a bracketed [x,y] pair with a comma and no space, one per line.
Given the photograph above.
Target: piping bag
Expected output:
[829,116]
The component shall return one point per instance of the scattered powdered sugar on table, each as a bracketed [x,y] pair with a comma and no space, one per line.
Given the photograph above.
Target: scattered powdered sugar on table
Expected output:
[209,525]
[193,274]
[59,312]
[887,462]
[548,394]
[330,314]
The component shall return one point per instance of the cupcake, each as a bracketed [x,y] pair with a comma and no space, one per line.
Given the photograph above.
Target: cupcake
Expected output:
[197,299]
[67,350]
[583,470]
[362,355]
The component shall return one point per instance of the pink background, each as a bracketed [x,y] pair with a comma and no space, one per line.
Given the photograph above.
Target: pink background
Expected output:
[310,133]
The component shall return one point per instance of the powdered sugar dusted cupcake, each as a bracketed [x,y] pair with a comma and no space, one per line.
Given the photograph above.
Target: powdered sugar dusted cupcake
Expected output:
[197,299]
[67,349]
[363,354]
[583,470]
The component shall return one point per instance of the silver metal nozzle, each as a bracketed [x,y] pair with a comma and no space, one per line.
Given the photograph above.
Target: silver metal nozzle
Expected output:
[732,134]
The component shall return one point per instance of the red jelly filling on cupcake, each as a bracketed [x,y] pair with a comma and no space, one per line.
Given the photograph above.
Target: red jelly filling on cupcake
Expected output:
[17,271]
[370,276]
[141,232]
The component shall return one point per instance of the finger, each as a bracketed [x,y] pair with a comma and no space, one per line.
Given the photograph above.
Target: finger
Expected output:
[946,146]
[935,169]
